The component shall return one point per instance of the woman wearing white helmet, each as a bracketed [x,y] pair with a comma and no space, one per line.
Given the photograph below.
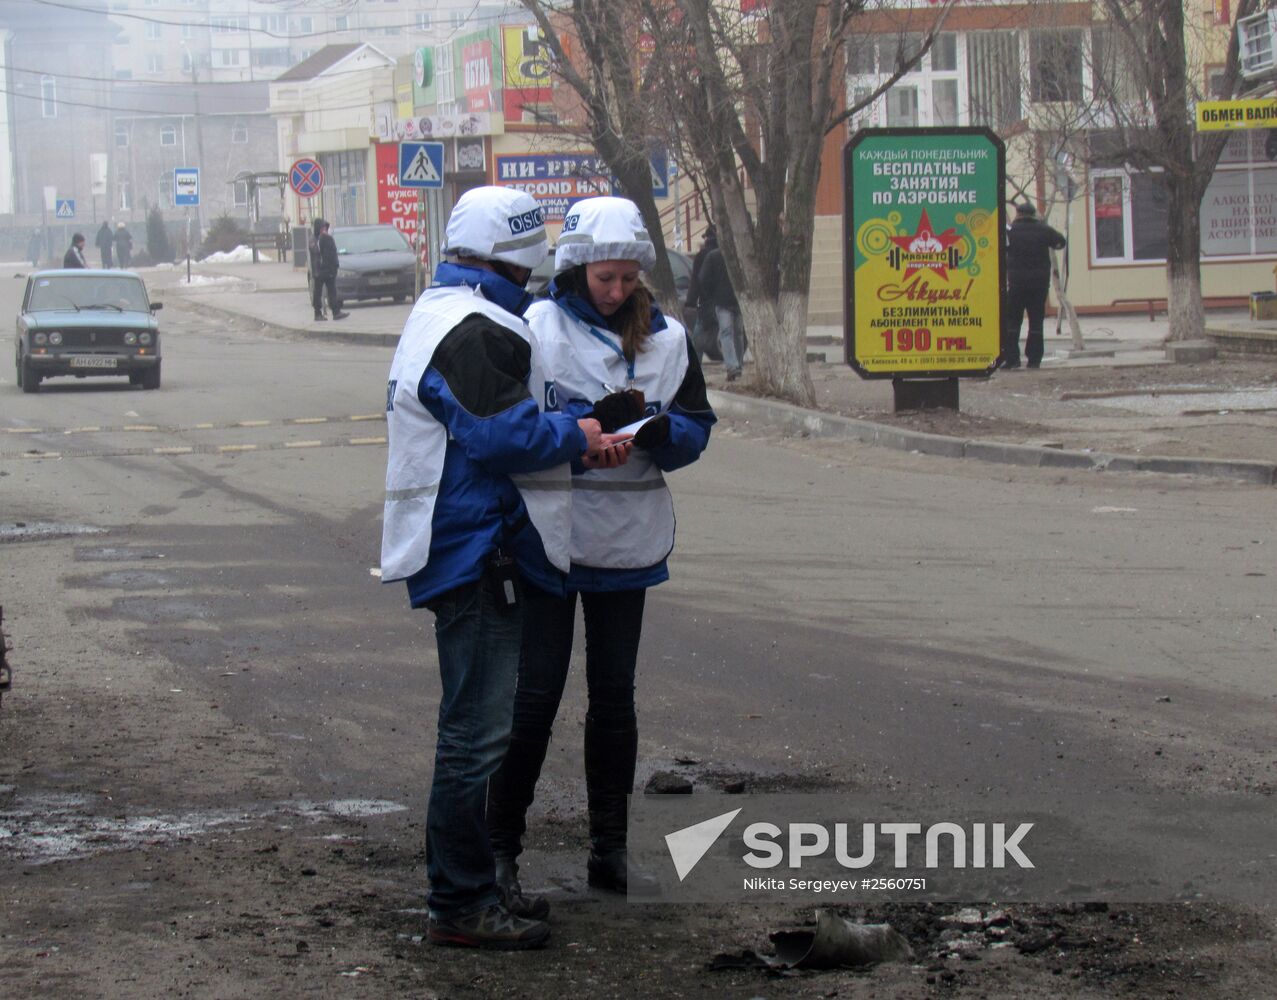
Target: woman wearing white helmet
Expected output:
[610,353]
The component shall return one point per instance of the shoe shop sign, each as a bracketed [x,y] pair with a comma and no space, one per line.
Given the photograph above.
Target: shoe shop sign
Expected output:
[924,229]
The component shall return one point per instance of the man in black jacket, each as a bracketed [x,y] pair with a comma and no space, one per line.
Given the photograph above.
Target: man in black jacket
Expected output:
[74,256]
[1029,245]
[326,273]
[716,288]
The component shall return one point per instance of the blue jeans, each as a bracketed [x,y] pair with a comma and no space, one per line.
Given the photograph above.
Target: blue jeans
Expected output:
[730,342]
[478,639]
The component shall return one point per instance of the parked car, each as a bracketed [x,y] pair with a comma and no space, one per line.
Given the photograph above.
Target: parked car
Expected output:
[680,264]
[373,262]
[87,322]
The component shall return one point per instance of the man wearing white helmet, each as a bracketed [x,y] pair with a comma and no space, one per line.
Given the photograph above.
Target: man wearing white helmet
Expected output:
[609,352]
[476,478]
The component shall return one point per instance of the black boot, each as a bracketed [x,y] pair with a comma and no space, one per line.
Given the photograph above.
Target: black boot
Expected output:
[610,759]
[510,792]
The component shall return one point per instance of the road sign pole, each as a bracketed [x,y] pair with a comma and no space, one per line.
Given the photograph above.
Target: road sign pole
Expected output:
[188,246]
[421,241]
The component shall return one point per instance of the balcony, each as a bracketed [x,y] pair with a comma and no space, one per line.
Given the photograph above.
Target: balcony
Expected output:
[1255,39]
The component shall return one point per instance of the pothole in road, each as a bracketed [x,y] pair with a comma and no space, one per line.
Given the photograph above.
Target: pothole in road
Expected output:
[36,531]
[45,827]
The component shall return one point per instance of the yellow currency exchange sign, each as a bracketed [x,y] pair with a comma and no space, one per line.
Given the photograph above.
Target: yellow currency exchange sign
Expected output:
[1215,116]
[925,224]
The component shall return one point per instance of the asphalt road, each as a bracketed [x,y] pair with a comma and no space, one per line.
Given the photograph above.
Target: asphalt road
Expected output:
[839,616]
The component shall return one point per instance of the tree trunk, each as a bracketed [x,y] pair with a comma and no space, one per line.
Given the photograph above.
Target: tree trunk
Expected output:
[778,339]
[1183,261]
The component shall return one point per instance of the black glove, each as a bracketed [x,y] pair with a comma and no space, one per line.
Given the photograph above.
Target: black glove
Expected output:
[618,409]
[654,433]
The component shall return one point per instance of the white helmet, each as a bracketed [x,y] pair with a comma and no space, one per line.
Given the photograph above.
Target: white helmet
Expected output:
[603,228]
[496,223]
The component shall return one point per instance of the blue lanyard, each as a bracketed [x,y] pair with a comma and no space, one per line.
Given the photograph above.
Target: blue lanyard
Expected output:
[606,342]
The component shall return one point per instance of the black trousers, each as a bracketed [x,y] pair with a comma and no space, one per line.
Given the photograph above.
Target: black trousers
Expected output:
[1024,297]
[320,284]
[613,624]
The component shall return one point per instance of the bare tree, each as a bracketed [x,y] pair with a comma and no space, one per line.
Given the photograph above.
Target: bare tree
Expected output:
[754,95]
[1139,114]
[747,100]
[620,118]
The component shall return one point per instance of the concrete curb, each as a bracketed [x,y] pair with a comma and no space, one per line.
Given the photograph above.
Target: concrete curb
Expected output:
[794,420]
[334,335]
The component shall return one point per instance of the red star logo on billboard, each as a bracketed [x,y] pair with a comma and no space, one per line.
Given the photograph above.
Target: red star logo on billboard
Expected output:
[926,249]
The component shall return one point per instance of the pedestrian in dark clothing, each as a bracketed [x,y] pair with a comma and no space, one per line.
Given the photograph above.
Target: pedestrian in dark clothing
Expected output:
[123,244]
[105,241]
[35,247]
[716,287]
[698,311]
[325,272]
[1029,245]
[75,254]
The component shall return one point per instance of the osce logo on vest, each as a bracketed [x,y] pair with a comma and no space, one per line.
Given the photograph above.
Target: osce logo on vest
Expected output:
[526,221]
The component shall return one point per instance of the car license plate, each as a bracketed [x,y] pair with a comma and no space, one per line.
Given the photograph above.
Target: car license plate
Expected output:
[92,362]
[382,279]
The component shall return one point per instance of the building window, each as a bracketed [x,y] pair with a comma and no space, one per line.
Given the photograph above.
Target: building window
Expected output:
[121,137]
[188,30]
[188,63]
[1055,56]
[274,23]
[154,63]
[341,23]
[929,95]
[165,199]
[152,31]
[240,192]
[305,25]
[125,190]
[445,84]
[993,78]
[124,74]
[168,135]
[48,97]
[239,132]
[422,22]
[228,57]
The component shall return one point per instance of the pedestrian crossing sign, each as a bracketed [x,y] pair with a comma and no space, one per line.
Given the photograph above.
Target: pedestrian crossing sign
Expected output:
[421,164]
[65,208]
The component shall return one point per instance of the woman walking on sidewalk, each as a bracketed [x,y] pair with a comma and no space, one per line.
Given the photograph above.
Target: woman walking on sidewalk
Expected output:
[609,352]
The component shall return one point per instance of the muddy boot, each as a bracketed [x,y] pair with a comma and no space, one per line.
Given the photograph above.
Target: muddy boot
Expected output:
[610,758]
[510,792]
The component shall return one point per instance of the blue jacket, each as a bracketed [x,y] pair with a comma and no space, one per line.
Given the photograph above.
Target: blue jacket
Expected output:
[476,386]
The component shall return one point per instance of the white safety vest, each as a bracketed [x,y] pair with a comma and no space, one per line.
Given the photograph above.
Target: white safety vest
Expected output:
[417,441]
[621,518]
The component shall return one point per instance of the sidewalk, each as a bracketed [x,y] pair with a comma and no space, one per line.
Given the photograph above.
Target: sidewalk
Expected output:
[1116,404]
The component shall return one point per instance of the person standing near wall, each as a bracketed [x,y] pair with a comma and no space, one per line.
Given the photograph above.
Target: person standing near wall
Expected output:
[1029,245]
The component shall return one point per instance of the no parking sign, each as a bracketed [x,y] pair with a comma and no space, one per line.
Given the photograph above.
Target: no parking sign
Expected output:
[306,177]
